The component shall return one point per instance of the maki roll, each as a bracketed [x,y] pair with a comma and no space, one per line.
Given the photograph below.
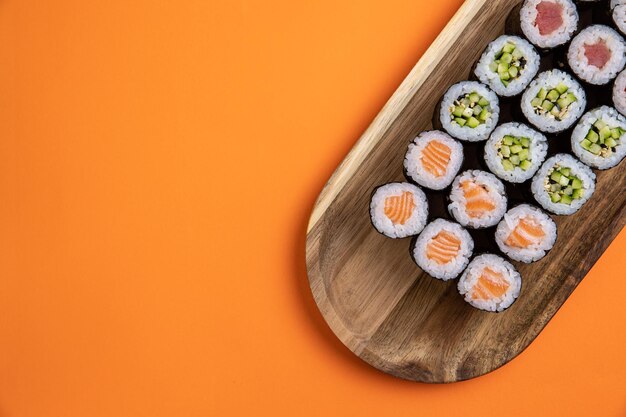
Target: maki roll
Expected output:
[526,233]
[562,185]
[548,23]
[469,111]
[553,101]
[490,283]
[508,64]
[619,93]
[443,249]
[597,54]
[598,139]
[477,199]
[433,159]
[618,13]
[398,209]
[514,152]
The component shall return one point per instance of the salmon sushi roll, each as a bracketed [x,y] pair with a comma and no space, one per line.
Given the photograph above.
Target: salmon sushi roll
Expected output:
[490,283]
[398,209]
[619,93]
[443,249]
[563,184]
[599,138]
[477,199]
[433,159]
[597,54]
[526,233]
[548,23]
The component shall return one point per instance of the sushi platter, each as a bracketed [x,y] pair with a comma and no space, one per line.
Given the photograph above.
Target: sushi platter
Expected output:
[481,194]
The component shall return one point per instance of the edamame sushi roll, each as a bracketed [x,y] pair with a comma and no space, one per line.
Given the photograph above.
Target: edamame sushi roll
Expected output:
[598,139]
[618,13]
[553,101]
[477,199]
[562,185]
[398,209]
[469,111]
[433,159]
[597,54]
[619,93]
[526,233]
[490,283]
[548,23]
[514,152]
[508,65]
[443,249]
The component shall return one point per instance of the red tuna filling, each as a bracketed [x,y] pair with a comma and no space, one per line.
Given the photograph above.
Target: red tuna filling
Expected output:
[549,17]
[597,54]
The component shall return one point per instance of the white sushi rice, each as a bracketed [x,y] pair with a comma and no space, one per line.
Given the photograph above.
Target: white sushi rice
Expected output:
[618,8]
[499,265]
[526,73]
[528,17]
[496,194]
[413,160]
[583,172]
[579,63]
[611,118]
[538,149]
[619,93]
[539,247]
[546,122]
[448,270]
[384,225]
[482,131]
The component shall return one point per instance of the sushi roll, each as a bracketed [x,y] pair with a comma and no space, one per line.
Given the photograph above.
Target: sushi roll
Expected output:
[443,249]
[618,13]
[514,152]
[399,209]
[562,185]
[597,54]
[490,283]
[553,101]
[619,93]
[526,233]
[433,159]
[469,111]
[477,199]
[508,65]
[548,23]
[599,138]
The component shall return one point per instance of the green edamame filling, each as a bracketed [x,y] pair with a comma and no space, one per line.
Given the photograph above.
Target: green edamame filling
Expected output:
[470,109]
[508,63]
[554,101]
[514,152]
[602,139]
[563,186]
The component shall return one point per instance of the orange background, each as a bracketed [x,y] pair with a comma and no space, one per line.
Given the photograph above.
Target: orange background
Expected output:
[158,162]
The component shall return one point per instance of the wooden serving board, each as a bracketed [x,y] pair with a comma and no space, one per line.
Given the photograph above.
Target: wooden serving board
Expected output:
[376,300]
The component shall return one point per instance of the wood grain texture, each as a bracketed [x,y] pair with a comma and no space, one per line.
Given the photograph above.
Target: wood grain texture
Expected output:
[376,300]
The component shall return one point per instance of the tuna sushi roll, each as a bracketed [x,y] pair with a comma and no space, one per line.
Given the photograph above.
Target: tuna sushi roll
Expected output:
[469,111]
[548,23]
[490,283]
[508,65]
[433,159]
[526,233]
[553,101]
[618,13]
[598,139]
[597,54]
[443,249]
[619,93]
[562,185]
[477,199]
[399,209]
[514,152]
